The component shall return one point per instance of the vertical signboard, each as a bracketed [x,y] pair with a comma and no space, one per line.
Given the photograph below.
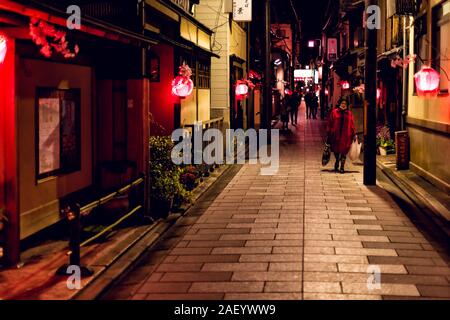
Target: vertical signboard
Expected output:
[402,150]
[242,10]
[332,49]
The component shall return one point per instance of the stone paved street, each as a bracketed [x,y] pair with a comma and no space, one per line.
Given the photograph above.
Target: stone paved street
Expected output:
[305,233]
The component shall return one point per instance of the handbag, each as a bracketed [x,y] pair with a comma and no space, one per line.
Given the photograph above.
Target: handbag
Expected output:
[326,154]
[355,150]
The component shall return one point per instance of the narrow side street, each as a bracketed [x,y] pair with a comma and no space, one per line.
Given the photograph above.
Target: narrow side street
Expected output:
[305,233]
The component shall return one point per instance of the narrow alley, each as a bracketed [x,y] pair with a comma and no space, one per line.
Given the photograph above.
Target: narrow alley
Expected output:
[305,233]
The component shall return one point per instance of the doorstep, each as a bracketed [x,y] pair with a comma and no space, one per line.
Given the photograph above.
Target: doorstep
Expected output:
[425,196]
[36,279]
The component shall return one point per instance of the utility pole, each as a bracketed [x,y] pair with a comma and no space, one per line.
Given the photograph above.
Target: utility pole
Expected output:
[370,145]
[267,111]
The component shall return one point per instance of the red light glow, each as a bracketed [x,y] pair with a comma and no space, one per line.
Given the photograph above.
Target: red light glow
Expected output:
[3,48]
[345,85]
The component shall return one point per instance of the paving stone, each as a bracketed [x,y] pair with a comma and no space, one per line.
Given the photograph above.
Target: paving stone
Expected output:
[339,296]
[434,291]
[241,286]
[384,268]
[241,266]
[385,289]
[243,250]
[270,258]
[166,287]
[267,276]
[283,287]
[196,276]
[322,287]
[186,296]
[263,296]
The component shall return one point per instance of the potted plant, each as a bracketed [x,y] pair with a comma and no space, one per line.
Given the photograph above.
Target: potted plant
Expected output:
[162,188]
[387,147]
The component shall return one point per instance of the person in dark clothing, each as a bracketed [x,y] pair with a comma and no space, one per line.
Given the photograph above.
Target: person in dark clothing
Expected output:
[308,105]
[295,102]
[341,132]
[284,112]
[314,106]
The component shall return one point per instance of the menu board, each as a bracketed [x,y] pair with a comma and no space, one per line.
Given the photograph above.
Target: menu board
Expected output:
[58,142]
[49,135]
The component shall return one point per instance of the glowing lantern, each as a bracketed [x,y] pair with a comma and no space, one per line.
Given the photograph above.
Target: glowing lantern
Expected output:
[326,92]
[241,89]
[182,87]
[378,94]
[288,92]
[3,48]
[427,81]
[345,85]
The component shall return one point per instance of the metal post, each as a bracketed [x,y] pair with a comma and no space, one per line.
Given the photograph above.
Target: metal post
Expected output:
[73,218]
[370,152]
[404,74]
[267,112]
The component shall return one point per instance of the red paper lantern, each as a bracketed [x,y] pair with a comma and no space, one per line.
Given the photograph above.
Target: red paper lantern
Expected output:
[345,85]
[182,87]
[241,89]
[288,92]
[326,92]
[427,81]
[3,48]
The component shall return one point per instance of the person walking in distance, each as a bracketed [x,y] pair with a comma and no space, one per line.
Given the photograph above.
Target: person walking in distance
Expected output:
[314,105]
[341,132]
[308,105]
[295,102]
[284,112]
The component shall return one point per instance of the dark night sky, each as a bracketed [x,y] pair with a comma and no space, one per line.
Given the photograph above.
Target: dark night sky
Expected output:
[312,13]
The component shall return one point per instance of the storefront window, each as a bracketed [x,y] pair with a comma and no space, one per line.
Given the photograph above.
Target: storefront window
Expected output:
[57,132]
[441,27]
[420,44]
[204,75]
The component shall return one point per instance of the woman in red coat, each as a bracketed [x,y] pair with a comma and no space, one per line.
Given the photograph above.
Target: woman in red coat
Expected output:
[341,132]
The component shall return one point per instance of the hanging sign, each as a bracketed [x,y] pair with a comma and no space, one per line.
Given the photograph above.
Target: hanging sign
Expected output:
[332,49]
[242,10]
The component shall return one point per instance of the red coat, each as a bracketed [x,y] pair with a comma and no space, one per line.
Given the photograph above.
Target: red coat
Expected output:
[341,130]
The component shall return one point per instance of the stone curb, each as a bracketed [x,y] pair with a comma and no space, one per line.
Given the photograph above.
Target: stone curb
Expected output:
[422,199]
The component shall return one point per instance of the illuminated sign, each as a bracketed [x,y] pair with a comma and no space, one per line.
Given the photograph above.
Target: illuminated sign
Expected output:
[303,73]
[242,10]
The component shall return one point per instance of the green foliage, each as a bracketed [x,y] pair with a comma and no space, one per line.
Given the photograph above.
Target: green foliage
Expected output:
[164,174]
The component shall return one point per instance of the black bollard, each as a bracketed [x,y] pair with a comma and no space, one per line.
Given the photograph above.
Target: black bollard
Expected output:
[72,214]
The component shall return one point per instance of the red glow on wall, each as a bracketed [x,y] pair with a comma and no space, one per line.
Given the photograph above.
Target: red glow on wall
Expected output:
[427,81]
[3,48]
[378,94]
[345,85]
